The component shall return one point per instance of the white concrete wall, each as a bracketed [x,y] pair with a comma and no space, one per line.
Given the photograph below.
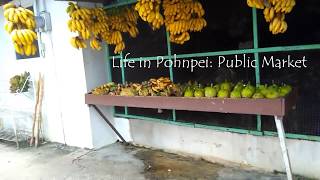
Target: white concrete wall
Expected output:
[66,117]
[261,152]
[96,74]
[14,107]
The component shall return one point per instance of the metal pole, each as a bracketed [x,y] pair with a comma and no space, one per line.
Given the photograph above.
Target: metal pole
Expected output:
[284,150]
[174,117]
[108,122]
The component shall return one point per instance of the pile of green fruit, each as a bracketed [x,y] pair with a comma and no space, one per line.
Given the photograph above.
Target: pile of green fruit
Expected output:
[239,90]
[163,86]
[19,83]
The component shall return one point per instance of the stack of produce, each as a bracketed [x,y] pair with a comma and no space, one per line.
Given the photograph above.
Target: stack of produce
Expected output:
[183,17]
[149,11]
[19,83]
[274,12]
[100,26]
[239,90]
[20,24]
[163,86]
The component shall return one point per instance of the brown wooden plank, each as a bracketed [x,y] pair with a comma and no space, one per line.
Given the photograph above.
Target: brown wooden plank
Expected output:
[227,105]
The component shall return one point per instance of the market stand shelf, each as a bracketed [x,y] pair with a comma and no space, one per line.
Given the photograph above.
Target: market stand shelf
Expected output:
[271,107]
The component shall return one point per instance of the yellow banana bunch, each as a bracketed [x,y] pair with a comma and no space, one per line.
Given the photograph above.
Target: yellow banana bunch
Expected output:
[274,12]
[75,12]
[20,24]
[99,21]
[119,48]
[278,25]
[9,26]
[80,21]
[149,11]
[107,26]
[95,44]
[27,50]
[283,6]
[178,27]
[114,38]
[259,4]
[183,17]
[78,42]
[23,36]
[18,15]
[121,21]
[180,38]
[269,13]
[197,24]
[71,8]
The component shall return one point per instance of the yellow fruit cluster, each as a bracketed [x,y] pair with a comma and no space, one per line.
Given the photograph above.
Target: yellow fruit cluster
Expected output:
[183,17]
[98,25]
[259,4]
[20,24]
[278,24]
[80,23]
[95,44]
[160,84]
[78,42]
[280,8]
[120,21]
[149,11]
[274,12]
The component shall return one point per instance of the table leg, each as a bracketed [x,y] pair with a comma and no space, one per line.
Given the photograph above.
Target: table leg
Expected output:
[284,150]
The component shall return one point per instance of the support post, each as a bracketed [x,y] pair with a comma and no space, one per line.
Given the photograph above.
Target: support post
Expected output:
[108,122]
[284,150]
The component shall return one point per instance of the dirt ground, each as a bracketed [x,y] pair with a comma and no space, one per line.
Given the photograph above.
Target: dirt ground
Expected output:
[114,162]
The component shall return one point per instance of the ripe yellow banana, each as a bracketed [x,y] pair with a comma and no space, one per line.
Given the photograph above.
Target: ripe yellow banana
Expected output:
[9,5]
[11,14]
[21,37]
[28,49]
[18,49]
[73,42]
[9,26]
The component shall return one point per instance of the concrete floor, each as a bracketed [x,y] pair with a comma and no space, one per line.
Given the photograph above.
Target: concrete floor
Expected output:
[114,162]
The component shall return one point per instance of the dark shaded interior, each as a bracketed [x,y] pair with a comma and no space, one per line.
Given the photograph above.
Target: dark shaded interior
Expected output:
[232,30]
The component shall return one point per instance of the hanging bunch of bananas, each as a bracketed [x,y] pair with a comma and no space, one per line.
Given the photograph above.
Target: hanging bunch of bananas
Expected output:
[149,11]
[99,21]
[78,42]
[183,17]
[277,21]
[282,6]
[278,24]
[20,24]
[80,22]
[274,12]
[97,25]
[95,44]
[122,20]
[258,4]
